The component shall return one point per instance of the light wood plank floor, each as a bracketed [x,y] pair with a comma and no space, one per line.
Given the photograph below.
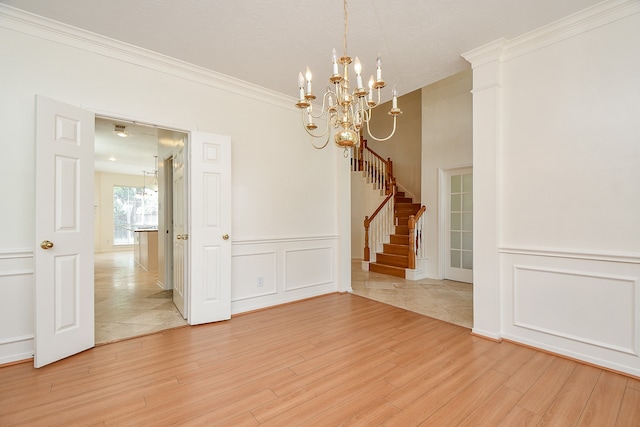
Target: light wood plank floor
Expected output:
[335,360]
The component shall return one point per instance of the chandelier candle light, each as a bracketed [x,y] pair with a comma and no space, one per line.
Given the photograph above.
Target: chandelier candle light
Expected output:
[345,110]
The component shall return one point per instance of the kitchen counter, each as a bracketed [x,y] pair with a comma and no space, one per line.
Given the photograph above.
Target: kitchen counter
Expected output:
[145,247]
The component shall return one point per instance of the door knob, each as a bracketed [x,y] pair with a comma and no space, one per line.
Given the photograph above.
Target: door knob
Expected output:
[179,237]
[225,237]
[45,244]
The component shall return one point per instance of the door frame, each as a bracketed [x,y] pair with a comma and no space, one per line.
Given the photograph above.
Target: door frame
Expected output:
[168,243]
[167,164]
[443,203]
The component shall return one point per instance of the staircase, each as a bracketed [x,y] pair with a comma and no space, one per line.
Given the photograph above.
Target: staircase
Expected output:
[394,258]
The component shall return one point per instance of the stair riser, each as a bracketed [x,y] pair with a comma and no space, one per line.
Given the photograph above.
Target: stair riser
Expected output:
[385,269]
[402,229]
[392,260]
[399,240]
[395,249]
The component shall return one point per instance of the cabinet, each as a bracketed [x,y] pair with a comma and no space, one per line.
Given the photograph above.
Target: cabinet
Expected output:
[145,247]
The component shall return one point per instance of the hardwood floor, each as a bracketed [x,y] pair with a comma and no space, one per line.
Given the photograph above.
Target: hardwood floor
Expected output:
[335,360]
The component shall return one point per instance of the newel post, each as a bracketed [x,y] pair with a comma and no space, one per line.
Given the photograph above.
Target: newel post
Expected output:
[366,238]
[412,242]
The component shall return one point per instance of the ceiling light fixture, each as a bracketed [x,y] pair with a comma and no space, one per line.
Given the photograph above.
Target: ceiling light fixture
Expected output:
[345,110]
[120,131]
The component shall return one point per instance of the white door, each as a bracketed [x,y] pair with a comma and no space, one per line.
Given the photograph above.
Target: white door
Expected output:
[179,234]
[459,225]
[209,168]
[64,323]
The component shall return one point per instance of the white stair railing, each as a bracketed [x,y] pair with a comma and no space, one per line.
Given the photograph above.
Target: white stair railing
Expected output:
[379,227]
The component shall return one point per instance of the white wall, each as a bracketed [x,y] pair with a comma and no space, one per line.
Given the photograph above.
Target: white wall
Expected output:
[556,175]
[284,191]
[446,144]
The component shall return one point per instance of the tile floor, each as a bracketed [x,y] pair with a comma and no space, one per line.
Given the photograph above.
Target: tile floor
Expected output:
[442,299]
[129,303]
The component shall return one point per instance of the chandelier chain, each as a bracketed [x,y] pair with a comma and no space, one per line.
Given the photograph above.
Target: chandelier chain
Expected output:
[346,28]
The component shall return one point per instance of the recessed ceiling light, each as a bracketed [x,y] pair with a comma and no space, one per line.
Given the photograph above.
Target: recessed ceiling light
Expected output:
[113,159]
[120,131]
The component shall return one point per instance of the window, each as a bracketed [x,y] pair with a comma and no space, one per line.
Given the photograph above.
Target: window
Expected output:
[133,208]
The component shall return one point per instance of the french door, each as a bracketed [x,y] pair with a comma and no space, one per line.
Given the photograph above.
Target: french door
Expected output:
[459,225]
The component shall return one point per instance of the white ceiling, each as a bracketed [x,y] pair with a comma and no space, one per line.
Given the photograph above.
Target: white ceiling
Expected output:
[133,155]
[268,42]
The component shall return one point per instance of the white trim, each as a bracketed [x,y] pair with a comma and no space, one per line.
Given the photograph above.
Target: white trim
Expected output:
[12,340]
[623,257]
[632,280]
[578,23]
[487,334]
[16,253]
[16,273]
[267,240]
[598,361]
[54,31]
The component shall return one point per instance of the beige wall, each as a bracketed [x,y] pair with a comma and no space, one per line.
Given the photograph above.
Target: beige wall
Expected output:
[404,147]
[447,143]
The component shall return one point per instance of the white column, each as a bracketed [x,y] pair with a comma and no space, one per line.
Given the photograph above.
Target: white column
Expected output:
[486,65]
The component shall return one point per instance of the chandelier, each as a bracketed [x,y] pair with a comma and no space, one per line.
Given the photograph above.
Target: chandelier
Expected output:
[344,109]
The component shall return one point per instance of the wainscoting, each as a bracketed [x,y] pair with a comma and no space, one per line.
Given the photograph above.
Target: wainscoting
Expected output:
[16,319]
[276,271]
[581,305]
[264,273]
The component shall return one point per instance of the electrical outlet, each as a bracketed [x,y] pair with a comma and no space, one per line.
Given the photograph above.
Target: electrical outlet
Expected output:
[260,281]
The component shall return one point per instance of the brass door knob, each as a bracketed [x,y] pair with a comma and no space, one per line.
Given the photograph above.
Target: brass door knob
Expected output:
[45,244]
[225,237]
[179,237]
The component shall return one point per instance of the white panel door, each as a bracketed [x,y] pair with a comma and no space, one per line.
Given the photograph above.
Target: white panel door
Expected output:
[459,225]
[179,236]
[64,231]
[210,228]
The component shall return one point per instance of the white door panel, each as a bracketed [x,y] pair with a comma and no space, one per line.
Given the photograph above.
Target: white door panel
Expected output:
[210,228]
[64,217]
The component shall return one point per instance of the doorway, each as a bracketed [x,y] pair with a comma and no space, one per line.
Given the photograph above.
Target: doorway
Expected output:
[457,225]
[65,181]
[133,268]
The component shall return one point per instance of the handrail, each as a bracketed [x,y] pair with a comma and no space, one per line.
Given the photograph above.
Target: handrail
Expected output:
[380,229]
[415,236]
[378,170]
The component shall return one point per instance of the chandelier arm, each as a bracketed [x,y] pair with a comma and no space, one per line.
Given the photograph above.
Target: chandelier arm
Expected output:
[322,146]
[393,131]
[304,125]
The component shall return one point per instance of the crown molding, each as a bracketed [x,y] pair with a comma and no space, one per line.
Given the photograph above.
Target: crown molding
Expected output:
[586,20]
[581,22]
[37,26]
